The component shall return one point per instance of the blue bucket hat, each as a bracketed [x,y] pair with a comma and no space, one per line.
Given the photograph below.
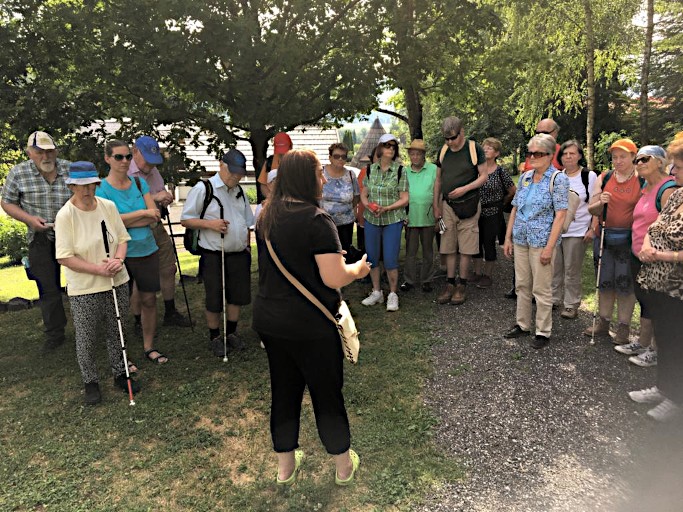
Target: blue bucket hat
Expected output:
[149,148]
[82,173]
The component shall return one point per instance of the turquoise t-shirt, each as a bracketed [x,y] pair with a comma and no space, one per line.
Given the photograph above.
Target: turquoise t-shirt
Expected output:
[141,239]
[421,186]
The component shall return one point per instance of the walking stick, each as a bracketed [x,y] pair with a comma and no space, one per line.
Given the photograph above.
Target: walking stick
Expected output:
[180,272]
[118,318]
[597,279]
[225,313]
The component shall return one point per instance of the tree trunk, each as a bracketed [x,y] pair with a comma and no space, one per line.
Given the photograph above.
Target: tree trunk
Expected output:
[259,146]
[414,107]
[645,75]
[590,83]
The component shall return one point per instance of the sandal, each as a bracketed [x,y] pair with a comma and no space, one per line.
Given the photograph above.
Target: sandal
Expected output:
[355,462]
[132,368]
[298,458]
[158,358]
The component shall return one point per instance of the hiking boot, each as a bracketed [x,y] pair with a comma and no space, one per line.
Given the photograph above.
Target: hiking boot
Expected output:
[175,318]
[459,295]
[53,344]
[646,396]
[235,342]
[446,294]
[569,313]
[120,381]
[621,334]
[376,297]
[540,341]
[406,286]
[392,302]
[511,293]
[92,393]
[427,287]
[516,332]
[665,411]
[646,359]
[601,328]
[630,349]
[474,278]
[216,346]
[485,282]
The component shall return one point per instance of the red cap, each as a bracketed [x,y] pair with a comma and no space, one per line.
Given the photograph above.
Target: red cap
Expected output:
[282,143]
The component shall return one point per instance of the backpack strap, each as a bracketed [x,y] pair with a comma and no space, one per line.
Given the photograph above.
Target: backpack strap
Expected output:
[136,179]
[400,172]
[442,154]
[606,179]
[660,193]
[585,175]
[473,153]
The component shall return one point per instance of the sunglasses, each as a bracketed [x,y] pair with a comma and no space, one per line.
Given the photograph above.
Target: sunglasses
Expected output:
[539,132]
[452,138]
[536,154]
[642,159]
[119,157]
[389,145]
[338,157]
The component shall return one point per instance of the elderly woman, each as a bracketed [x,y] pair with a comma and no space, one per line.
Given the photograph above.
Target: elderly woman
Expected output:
[498,191]
[570,253]
[533,233]
[662,277]
[385,196]
[651,164]
[340,194]
[90,273]
[138,212]
[303,346]
[613,200]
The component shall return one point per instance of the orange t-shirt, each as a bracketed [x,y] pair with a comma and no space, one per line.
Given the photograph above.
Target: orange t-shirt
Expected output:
[623,201]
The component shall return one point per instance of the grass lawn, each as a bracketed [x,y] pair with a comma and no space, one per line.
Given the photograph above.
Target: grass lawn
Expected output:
[198,437]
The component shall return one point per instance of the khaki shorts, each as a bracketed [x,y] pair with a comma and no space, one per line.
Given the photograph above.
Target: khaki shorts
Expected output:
[165,244]
[461,235]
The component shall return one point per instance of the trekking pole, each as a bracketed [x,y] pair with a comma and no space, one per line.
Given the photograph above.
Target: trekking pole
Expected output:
[118,318]
[225,318]
[597,279]
[180,272]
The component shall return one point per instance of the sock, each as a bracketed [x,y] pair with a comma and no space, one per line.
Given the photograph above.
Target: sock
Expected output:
[213,333]
[462,281]
[451,280]
[170,306]
[230,327]
[138,319]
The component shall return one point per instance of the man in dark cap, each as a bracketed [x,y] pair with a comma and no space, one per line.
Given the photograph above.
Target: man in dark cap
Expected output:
[223,227]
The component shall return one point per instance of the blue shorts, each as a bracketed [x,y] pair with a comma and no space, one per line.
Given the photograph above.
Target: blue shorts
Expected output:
[385,240]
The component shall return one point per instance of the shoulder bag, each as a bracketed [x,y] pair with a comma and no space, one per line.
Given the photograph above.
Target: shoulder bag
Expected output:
[343,320]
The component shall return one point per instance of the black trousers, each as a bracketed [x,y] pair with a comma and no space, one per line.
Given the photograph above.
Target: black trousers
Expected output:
[46,272]
[666,313]
[345,232]
[295,364]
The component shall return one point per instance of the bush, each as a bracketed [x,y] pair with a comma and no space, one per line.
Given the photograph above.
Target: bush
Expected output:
[12,238]
[251,194]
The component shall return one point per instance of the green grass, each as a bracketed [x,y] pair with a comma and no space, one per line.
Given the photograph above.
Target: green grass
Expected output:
[198,437]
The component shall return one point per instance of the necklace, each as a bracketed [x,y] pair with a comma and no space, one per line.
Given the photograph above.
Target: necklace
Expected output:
[621,179]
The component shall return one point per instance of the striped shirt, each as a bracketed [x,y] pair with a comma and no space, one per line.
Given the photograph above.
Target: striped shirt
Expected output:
[26,188]
[384,189]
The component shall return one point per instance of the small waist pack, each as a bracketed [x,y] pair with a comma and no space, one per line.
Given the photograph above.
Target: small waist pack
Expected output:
[615,237]
[465,209]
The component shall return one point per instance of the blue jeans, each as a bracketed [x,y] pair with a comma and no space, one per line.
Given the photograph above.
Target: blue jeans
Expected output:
[388,238]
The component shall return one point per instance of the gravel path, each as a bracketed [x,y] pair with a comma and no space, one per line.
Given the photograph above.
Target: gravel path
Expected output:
[548,430]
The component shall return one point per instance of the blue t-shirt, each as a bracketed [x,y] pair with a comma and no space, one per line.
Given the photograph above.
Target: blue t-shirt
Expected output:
[338,195]
[141,239]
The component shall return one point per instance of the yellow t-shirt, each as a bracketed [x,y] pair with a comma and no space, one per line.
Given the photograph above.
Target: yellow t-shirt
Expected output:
[79,233]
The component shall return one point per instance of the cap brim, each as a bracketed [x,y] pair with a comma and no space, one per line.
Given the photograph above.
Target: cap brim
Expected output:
[152,158]
[45,147]
[624,148]
[237,170]
[81,181]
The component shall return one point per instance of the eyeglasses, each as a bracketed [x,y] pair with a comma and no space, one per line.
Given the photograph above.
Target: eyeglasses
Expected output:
[389,145]
[452,138]
[119,157]
[536,154]
[642,159]
[338,157]
[543,132]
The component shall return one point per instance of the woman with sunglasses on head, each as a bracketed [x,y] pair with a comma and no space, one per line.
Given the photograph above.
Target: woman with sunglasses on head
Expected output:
[661,276]
[385,196]
[613,200]
[340,194]
[138,212]
[651,164]
[532,235]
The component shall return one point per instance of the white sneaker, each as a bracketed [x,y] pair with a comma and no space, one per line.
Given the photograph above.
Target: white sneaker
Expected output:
[665,411]
[630,349]
[646,396]
[392,302]
[646,359]
[376,297]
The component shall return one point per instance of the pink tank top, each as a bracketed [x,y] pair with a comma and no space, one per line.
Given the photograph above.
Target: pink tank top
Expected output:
[644,214]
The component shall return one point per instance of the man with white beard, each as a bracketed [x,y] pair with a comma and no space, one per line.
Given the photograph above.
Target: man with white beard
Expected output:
[33,193]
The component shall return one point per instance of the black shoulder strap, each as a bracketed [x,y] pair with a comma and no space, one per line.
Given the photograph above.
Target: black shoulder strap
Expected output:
[400,172]
[606,179]
[240,193]
[137,184]
[585,174]
[367,171]
[208,197]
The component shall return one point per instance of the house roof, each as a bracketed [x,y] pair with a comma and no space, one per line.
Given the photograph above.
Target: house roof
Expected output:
[369,143]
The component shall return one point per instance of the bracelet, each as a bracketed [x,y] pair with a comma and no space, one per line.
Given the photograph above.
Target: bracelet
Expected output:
[120,259]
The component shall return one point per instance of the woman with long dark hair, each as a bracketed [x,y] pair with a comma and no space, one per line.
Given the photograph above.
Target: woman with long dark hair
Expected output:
[303,346]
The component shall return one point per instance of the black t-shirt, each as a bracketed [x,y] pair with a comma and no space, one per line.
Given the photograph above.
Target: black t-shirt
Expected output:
[457,169]
[279,308]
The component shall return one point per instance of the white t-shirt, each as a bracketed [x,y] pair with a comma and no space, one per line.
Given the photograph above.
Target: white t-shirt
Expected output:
[79,233]
[582,219]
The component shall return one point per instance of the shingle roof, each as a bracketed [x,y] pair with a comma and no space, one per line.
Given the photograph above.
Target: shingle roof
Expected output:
[369,142]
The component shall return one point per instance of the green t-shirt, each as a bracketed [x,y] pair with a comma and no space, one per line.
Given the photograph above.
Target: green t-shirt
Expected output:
[421,185]
[457,169]
[384,189]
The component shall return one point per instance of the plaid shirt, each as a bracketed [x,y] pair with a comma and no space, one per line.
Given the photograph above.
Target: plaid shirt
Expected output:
[27,188]
[384,188]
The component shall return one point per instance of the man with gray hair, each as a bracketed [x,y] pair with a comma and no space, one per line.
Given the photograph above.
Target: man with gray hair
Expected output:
[34,192]
[461,172]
